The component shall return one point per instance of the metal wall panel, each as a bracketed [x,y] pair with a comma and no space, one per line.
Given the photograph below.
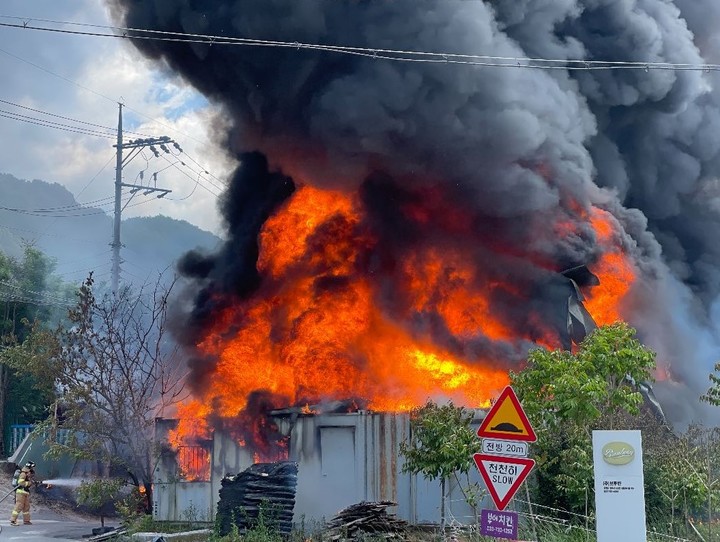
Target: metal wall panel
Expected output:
[182,501]
[343,459]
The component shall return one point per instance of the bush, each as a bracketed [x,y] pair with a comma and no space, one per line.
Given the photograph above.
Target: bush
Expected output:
[99,496]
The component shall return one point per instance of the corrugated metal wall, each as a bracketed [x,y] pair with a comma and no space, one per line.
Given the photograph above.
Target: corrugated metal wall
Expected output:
[343,459]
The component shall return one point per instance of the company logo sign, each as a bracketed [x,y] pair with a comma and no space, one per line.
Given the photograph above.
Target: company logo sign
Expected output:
[618,453]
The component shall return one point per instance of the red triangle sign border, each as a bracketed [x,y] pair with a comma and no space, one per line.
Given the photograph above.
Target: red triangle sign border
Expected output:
[485,432]
[527,463]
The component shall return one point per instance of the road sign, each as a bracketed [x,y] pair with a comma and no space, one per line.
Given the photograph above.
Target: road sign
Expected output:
[503,475]
[507,420]
[499,524]
[505,447]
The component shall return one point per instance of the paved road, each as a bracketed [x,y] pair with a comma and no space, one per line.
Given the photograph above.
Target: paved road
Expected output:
[51,527]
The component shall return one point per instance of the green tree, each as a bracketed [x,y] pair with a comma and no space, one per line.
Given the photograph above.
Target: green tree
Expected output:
[99,495]
[676,478]
[30,298]
[440,445]
[712,396]
[566,395]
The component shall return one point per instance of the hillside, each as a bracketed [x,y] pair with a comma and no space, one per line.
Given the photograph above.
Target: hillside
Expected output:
[78,237]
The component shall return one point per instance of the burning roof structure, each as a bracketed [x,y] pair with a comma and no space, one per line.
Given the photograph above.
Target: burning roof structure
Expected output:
[403,230]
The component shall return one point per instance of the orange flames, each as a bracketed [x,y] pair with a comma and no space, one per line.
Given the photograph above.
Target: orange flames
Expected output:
[614,269]
[316,328]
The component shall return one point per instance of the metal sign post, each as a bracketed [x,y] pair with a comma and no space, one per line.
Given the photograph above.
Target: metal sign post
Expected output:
[504,465]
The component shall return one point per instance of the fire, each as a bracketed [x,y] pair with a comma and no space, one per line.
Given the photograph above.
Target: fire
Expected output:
[333,320]
[614,269]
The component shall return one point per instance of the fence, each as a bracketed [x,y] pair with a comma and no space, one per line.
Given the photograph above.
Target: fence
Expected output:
[18,432]
[17,435]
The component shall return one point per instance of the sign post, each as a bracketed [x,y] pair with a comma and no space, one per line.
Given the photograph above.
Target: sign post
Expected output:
[619,486]
[504,465]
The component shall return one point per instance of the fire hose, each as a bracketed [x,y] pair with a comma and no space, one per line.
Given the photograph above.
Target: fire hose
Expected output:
[37,483]
[11,492]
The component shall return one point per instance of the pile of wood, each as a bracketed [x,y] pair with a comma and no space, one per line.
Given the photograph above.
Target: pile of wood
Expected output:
[265,490]
[365,518]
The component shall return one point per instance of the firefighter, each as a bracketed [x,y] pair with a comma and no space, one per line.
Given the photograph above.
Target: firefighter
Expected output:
[22,494]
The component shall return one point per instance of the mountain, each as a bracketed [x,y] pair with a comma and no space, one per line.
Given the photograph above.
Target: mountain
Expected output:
[78,236]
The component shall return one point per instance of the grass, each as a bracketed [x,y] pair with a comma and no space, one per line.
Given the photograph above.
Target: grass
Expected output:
[263,532]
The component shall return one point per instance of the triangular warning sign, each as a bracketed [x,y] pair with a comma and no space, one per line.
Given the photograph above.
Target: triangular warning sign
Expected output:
[507,420]
[503,475]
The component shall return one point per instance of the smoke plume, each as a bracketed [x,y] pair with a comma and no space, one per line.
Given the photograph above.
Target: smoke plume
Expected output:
[486,160]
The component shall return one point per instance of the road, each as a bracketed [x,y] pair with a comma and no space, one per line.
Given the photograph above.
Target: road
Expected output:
[49,526]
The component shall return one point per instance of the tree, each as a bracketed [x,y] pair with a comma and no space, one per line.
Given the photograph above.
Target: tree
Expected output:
[30,298]
[712,396]
[115,371]
[98,495]
[566,395]
[441,444]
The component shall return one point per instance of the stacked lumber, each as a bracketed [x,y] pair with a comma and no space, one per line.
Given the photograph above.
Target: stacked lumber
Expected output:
[364,518]
[264,490]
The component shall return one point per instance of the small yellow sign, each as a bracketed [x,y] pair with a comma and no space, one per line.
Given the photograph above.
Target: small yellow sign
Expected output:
[507,420]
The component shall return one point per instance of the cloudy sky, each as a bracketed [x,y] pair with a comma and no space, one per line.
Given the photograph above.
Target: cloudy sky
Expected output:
[83,78]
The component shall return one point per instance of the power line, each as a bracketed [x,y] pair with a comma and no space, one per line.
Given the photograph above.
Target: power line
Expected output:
[174,164]
[202,167]
[155,120]
[72,207]
[106,128]
[199,174]
[37,302]
[46,295]
[112,156]
[47,212]
[53,123]
[90,257]
[375,53]
[93,91]
[65,238]
[39,122]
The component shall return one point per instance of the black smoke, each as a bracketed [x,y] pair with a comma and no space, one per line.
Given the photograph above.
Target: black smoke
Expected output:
[518,148]
[253,194]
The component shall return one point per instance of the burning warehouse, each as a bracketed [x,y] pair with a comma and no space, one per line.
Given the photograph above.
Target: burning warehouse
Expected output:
[343,458]
[398,230]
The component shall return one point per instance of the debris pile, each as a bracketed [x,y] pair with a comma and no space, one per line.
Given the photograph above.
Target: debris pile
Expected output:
[264,492]
[366,518]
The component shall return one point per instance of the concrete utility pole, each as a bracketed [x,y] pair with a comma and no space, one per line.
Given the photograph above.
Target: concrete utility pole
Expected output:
[135,148]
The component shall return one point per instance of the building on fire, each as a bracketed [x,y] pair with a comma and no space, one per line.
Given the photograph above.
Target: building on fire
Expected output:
[343,458]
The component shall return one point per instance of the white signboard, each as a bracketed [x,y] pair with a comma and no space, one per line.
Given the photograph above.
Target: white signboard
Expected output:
[505,447]
[619,486]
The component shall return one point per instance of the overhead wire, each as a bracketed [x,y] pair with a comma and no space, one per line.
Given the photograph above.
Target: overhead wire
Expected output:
[71,119]
[220,189]
[38,122]
[65,238]
[90,257]
[224,182]
[47,212]
[39,295]
[34,301]
[112,157]
[174,164]
[73,206]
[37,66]
[95,92]
[375,53]
[203,170]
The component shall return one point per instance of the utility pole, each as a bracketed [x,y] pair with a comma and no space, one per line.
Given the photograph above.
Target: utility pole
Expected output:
[135,148]
[118,210]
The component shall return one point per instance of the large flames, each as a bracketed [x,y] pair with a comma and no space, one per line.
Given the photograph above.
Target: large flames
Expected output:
[323,327]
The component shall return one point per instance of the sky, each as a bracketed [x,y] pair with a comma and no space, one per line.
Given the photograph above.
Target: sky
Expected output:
[90,75]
